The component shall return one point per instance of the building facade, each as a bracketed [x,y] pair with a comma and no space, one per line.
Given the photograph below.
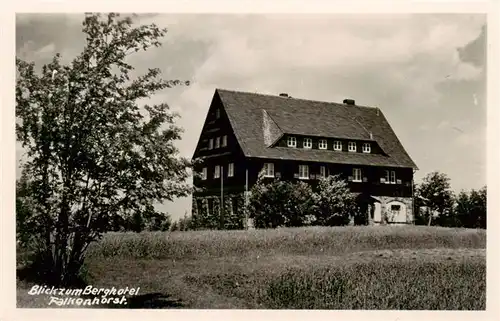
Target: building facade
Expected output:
[245,134]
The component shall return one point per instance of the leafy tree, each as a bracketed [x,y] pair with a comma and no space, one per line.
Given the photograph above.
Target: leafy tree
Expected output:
[92,153]
[471,209]
[435,190]
[280,203]
[334,202]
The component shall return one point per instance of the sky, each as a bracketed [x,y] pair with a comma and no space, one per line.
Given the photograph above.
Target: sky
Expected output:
[426,72]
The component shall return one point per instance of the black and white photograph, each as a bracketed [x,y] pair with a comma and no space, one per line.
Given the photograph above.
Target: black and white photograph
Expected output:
[251,161]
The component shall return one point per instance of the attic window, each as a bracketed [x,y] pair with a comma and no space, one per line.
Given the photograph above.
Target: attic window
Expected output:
[366,148]
[337,145]
[323,144]
[352,146]
[217,113]
[292,142]
[308,143]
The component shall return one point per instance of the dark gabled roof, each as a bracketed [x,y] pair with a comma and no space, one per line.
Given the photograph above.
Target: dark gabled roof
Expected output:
[259,120]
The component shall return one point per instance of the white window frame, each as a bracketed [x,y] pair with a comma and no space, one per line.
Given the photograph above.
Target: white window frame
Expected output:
[357,175]
[230,170]
[217,142]
[350,145]
[217,171]
[323,144]
[211,143]
[224,141]
[268,170]
[322,171]
[303,172]
[367,148]
[308,143]
[291,141]
[393,177]
[204,174]
[337,145]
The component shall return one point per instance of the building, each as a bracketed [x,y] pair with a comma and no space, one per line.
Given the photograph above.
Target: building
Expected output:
[298,139]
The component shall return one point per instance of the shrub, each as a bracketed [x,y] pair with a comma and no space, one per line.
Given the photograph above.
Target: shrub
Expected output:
[334,203]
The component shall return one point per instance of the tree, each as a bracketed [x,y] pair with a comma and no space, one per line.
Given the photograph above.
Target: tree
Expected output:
[471,208]
[92,153]
[435,190]
[334,202]
[280,203]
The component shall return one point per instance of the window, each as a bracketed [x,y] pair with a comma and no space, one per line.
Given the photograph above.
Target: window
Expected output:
[204,173]
[292,142]
[308,143]
[224,141]
[337,145]
[366,148]
[217,113]
[395,207]
[217,171]
[230,170]
[390,177]
[352,146]
[217,142]
[323,144]
[356,175]
[322,171]
[303,171]
[211,143]
[268,170]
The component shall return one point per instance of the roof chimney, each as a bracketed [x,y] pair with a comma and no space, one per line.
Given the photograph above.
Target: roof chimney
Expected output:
[349,102]
[283,95]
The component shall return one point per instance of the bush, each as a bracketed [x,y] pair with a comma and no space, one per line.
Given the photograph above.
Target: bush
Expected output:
[280,203]
[334,203]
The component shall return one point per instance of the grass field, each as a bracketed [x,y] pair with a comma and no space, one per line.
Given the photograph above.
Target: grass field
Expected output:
[403,267]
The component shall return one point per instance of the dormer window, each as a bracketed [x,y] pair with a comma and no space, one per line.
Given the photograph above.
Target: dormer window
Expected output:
[292,141]
[308,143]
[367,148]
[211,143]
[217,142]
[337,145]
[352,146]
[323,144]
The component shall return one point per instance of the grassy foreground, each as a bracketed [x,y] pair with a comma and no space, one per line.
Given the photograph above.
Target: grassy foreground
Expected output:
[303,268]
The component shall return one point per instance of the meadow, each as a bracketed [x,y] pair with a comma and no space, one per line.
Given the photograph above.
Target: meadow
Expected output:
[382,267]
